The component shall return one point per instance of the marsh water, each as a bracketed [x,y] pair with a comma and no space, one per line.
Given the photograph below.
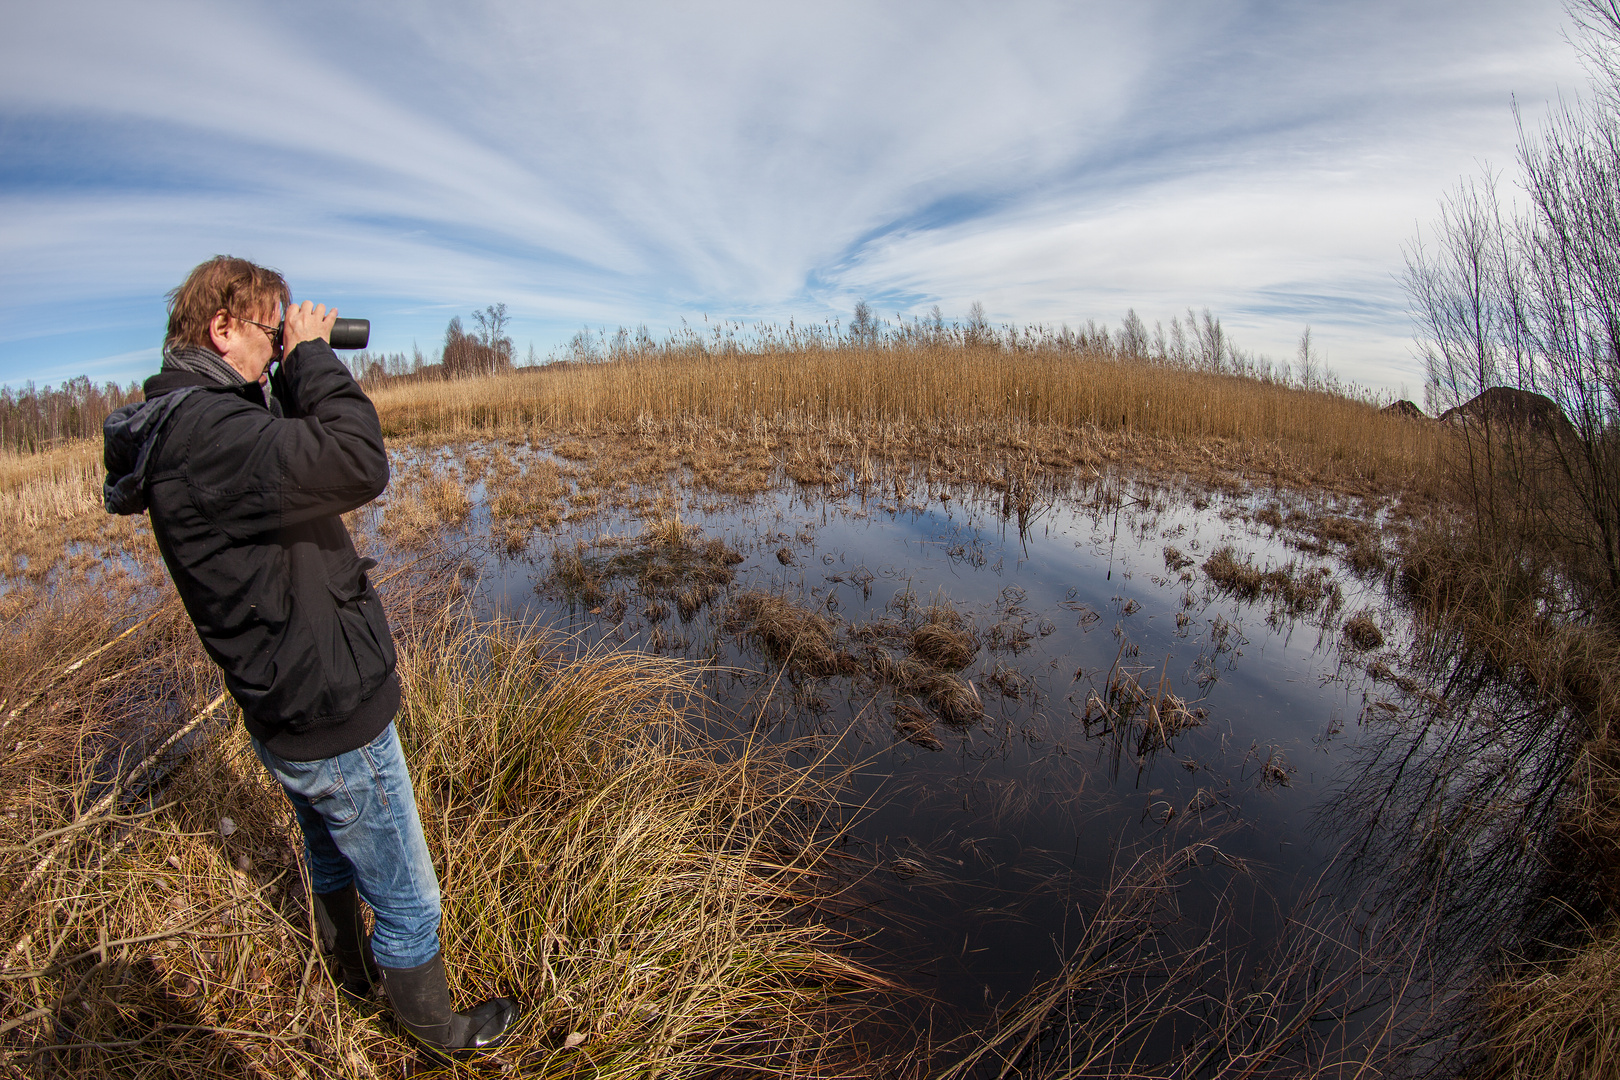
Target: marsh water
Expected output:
[981,833]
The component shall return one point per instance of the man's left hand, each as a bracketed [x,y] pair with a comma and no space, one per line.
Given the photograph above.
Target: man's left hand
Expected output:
[307,322]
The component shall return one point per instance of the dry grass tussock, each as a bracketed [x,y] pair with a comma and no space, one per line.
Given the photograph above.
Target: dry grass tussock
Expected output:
[1560,1019]
[1126,712]
[915,656]
[668,561]
[1292,590]
[648,893]
[820,411]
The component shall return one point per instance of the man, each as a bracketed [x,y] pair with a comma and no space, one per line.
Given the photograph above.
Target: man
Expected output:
[245,494]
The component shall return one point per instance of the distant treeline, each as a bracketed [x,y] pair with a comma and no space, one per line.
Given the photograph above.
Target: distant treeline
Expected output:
[484,350]
[1198,343]
[32,419]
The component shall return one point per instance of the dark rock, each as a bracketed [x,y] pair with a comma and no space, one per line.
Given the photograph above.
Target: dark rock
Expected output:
[1404,409]
[1506,406]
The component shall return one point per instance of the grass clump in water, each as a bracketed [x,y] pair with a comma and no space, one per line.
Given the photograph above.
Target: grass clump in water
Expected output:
[916,657]
[1362,632]
[1292,589]
[791,634]
[668,563]
[943,639]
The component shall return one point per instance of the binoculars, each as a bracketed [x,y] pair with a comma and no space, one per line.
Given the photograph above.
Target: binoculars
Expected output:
[346,334]
[351,333]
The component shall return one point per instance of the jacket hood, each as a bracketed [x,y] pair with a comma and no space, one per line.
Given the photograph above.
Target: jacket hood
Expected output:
[127,436]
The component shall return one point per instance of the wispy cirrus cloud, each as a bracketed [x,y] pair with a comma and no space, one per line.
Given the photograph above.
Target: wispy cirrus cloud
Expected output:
[643,163]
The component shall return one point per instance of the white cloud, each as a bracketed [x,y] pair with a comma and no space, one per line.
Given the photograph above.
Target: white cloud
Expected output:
[605,163]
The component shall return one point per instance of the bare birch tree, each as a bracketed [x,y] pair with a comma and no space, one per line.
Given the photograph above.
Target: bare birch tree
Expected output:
[1528,298]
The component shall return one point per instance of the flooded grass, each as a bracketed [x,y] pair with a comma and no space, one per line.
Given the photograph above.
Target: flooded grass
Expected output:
[653,895]
[1020,763]
[821,629]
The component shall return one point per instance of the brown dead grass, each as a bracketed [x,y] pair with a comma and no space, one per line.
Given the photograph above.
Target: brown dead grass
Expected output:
[791,634]
[915,658]
[1292,589]
[1362,631]
[825,415]
[423,500]
[663,885]
[1124,709]
[51,515]
[1560,1019]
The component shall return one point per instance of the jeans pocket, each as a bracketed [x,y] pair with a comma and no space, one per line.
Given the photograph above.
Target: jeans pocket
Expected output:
[335,804]
[319,783]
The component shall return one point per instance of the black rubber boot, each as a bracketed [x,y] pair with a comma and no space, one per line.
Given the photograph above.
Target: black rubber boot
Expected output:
[421,1000]
[338,915]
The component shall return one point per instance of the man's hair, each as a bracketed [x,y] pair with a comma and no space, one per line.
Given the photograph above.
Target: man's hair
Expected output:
[235,286]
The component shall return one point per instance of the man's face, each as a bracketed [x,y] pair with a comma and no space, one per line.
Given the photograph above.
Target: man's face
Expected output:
[246,344]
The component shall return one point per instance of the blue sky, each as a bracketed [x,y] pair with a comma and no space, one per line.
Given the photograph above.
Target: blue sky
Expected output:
[598,164]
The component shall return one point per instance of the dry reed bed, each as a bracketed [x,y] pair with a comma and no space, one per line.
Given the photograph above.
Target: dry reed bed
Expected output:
[816,410]
[51,514]
[650,895]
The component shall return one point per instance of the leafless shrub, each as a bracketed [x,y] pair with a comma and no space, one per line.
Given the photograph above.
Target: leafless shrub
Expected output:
[483,352]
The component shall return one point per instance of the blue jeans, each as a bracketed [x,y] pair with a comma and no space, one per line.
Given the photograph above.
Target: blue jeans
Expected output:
[358,814]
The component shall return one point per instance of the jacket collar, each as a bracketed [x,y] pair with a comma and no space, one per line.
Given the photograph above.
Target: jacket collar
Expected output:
[166,381]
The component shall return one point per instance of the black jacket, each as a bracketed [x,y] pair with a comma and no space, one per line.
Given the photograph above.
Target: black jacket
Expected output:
[244,506]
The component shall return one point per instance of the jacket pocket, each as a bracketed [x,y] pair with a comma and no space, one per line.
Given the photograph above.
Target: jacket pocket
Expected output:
[365,627]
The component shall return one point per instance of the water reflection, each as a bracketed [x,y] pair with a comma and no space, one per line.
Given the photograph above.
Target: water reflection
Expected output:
[1109,750]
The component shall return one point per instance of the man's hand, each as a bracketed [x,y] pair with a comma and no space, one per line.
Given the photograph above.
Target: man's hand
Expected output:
[307,322]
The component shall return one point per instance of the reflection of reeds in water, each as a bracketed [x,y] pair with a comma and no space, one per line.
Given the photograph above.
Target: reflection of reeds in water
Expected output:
[1455,819]
[1143,991]
[635,886]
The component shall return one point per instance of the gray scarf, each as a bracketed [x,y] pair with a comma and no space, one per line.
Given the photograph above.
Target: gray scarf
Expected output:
[199,361]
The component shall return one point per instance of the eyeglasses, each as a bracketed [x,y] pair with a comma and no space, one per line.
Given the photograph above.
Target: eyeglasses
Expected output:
[271,332]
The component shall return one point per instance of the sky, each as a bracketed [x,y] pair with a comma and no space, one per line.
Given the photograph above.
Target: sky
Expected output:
[593,165]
